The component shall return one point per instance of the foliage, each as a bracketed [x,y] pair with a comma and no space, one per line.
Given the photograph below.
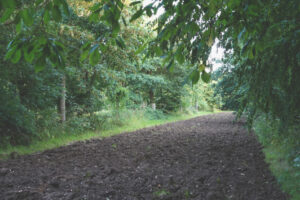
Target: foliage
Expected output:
[227,88]
[161,193]
[154,114]
[16,122]
[44,41]
[282,152]
[23,94]
[253,40]
[252,32]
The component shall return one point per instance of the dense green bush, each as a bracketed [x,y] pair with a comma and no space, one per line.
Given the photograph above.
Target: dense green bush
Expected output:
[17,125]
[151,114]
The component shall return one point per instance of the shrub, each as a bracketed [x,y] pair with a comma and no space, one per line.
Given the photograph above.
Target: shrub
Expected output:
[151,114]
[17,125]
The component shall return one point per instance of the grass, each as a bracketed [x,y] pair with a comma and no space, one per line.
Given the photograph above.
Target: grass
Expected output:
[287,175]
[161,193]
[133,124]
[281,153]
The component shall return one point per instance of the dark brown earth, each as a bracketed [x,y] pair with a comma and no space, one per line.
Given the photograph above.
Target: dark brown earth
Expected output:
[206,158]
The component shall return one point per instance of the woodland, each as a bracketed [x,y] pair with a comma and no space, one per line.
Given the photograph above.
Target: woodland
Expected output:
[76,69]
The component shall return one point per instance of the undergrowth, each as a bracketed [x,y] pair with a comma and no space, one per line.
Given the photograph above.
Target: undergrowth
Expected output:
[282,152]
[102,124]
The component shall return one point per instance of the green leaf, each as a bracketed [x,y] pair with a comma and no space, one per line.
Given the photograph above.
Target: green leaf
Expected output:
[57,2]
[86,46]
[253,10]
[10,52]
[17,56]
[205,77]
[120,42]
[94,56]
[94,17]
[158,51]
[212,8]
[84,55]
[120,4]
[38,68]
[42,41]
[179,56]
[149,12]
[103,48]
[46,17]
[56,13]
[27,17]
[250,53]
[141,48]
[193,28]
[65,8]
[170,66]
[60,46]
[195,75]
[135,3]
[201,67]
[19,27]
[29,56]
[124,21]
[115,27]
[137,14]
[7,13]
[168,33]
[8,3]
[166,58]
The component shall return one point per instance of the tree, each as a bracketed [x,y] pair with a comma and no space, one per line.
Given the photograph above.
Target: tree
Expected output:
[262,40]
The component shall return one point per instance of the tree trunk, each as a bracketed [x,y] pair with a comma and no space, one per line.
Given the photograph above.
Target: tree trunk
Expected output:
[153,105]
[197,105]
[63,100]
[151,97]
[144,105]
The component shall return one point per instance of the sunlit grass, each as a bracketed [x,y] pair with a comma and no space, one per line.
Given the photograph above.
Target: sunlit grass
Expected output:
[62,139]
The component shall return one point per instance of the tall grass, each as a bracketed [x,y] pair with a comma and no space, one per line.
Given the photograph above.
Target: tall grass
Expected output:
[115,123]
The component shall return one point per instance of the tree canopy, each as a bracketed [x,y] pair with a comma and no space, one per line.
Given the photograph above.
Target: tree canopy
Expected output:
[59,58]
[261,39]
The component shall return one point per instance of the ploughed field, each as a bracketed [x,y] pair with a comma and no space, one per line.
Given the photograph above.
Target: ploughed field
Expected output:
[207,158]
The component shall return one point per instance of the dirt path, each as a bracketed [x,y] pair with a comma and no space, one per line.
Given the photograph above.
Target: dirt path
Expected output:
[205,158]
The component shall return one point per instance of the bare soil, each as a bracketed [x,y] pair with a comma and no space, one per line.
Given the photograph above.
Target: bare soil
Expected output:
[207,158]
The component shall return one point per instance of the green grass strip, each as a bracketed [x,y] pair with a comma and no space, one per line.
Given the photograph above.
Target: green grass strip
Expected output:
[65,138]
